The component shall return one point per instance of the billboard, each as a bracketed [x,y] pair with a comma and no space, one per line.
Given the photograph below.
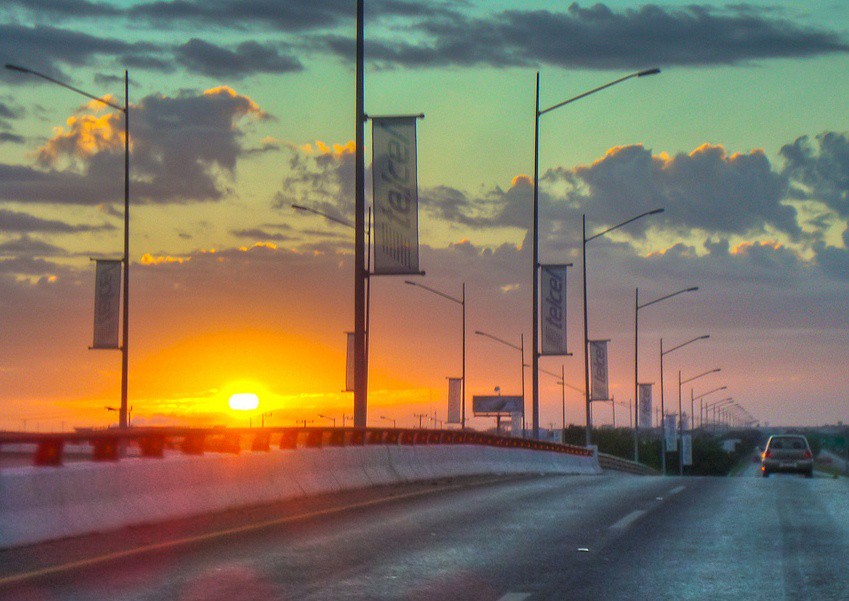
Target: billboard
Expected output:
[455,400]
[644,420]
[107,297]
[553,310]
[396,196]
[598,370]
[490,406]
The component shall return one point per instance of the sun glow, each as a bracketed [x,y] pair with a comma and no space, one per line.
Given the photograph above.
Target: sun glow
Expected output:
[244,401]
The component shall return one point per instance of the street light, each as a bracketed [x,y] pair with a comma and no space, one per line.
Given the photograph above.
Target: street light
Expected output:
[535,300]
[123,415]
[680,414]
[714,406]
[333,419]
[586,327]
[462,302]
[389,419]
[637,307]
[662,406]
[561,379]
[692,399]
[521,349]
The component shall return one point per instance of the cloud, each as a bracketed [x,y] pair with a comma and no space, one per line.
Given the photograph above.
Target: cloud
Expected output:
[706,189]
[247,59]
[22,223]
[29,247]
[184,149]
[10,138]
[821,171]
[602,38]
[260,234]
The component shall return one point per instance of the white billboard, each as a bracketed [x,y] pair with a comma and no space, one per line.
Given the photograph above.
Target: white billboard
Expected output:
[107,301]
[396,197]
[598,370]
[645,420]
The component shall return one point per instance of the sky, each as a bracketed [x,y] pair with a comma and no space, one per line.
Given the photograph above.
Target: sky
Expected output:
[239,110]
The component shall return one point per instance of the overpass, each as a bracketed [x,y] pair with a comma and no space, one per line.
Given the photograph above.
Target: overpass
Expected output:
[102,480]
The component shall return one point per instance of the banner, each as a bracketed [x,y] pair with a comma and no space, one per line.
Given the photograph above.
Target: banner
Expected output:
[598,370]
[516,424]
[349,363]
[396,196]
[491,406]
[107,301]
[455,399]
[687,449]
[644,420]
[671,433]
[553,312]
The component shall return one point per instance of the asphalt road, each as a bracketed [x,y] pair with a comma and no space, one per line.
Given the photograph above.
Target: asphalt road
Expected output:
[605,537]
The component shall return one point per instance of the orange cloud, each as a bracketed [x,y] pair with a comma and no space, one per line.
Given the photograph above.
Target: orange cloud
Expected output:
[149,259]
[86,136]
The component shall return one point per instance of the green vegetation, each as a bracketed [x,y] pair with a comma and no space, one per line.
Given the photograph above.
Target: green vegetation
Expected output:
[709,457]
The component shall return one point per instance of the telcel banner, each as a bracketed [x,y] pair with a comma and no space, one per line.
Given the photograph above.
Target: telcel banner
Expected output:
[455,394]
[107,300]
[687,449]
[396,196]
[598,370]
[553,313]
[349,363]
[645,406]
[671,433]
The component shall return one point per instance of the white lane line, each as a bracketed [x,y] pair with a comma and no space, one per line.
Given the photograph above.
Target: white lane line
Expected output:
[676,490]
[628,519]
[515,597]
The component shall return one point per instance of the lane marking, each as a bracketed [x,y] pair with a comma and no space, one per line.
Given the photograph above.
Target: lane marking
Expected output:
[515,597]
[210,536]
[676,490]
[628,519]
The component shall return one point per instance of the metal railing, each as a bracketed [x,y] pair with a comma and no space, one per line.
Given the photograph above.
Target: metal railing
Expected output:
[49,449]
[618,464]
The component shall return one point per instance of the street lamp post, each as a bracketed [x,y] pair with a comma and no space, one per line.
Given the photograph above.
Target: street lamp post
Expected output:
[717,404]
[662,406]
[360,275]
[561,379]
[462,302]
[535,294]
[328,417]
[637,307]
[586,327]
[521,349]
[680,414]
[388,419]
[123,414]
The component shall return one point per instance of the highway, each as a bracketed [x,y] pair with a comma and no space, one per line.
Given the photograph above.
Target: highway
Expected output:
[603,537]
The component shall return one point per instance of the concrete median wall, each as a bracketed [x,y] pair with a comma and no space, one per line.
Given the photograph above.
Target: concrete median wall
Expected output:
[47,503]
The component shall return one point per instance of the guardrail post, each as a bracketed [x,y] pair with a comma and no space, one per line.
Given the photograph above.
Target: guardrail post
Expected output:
[49,452]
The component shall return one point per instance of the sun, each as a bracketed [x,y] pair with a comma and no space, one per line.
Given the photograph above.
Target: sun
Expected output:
[244,401]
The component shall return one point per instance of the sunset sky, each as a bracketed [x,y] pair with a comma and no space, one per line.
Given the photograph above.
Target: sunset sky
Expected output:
[239,109]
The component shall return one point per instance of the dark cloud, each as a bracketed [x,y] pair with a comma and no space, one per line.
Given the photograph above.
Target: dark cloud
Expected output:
[22,223]
[10,138]
[600,38]
[49,49]
[184,149]
[29,247]
[66,8]
[258,234]
[821,169]
[706,189]
[248,58]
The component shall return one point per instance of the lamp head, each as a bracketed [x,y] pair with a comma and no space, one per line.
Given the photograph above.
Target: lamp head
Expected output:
[654,71]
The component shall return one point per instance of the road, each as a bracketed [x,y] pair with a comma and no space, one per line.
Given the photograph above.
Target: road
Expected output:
[604,537]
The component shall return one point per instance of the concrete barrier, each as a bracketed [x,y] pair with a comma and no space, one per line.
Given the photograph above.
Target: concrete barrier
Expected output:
[39,504]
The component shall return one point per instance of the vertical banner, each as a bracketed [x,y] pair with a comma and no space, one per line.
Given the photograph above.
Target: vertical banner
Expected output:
[396,196]
[516,424]
[349,363]
[553,312]
[107,301]
[687,449]
[671,433]
[645,406]
[455,393]
[598,370]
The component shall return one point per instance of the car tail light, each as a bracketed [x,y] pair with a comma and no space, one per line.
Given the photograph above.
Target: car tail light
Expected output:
[767,454]
[807,454]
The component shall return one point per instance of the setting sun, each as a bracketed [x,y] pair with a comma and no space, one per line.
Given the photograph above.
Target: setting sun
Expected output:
[244,401]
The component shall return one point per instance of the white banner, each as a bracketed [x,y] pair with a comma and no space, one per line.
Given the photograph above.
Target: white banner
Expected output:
[553,313]
[598,370]
[349,364]
[396,196]
[107,303]
[455,399]
[645,406]
[671,433]
[687,449]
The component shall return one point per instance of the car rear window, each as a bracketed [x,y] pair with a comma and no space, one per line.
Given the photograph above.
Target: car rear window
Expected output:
[787,443]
